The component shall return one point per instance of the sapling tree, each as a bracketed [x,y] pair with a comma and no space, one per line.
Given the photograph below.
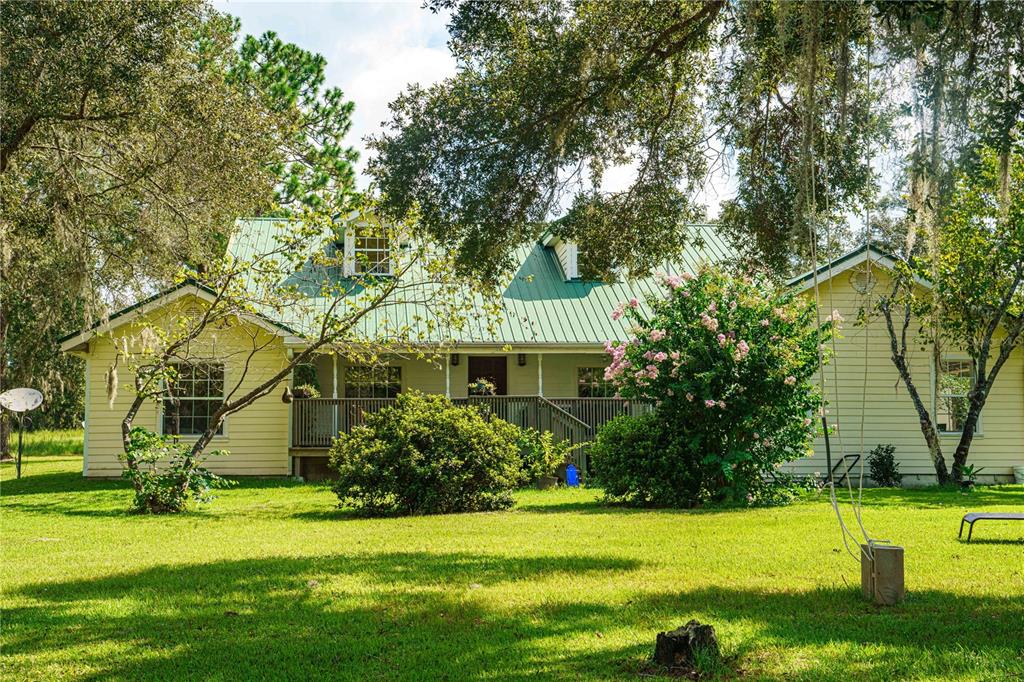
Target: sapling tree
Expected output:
[730,365]
[329,297]
[968,296]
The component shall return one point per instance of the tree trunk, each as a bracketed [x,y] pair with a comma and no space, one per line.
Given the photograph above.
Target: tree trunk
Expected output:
[963,448]
[126,430]
[931,435]
[898,346]
[5,437]
[5,421]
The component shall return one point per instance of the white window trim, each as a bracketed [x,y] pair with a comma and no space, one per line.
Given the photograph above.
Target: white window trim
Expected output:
[344,383]
[979,432]
[350,259]
[192,437]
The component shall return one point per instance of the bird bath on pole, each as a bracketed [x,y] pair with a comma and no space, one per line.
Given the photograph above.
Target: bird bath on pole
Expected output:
[19,401]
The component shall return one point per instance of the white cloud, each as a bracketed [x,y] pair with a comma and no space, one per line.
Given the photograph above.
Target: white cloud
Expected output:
[373,50]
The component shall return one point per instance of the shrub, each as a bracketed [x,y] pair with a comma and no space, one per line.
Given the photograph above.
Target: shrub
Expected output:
[165,479]
[635,461]
[883,467]
[729,364]
[424,455]
[541,454]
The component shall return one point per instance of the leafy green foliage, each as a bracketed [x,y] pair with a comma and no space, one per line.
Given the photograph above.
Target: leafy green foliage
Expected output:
[636,460]
[548,96]
[541,453]
[729,363]
[164,476]
[315,168]
[424,455]
[133,136]
[981,259]
[799,97]
[792,101]
[883,467]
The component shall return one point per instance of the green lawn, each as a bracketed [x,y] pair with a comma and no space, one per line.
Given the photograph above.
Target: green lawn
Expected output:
[271,582]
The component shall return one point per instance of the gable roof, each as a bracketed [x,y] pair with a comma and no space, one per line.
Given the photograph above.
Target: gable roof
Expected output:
[848,261]
[538,305]
[158,300]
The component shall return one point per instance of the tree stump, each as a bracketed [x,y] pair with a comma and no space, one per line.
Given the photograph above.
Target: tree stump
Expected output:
[681,646]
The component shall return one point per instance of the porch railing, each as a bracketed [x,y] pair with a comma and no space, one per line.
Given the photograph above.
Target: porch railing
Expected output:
[317,421]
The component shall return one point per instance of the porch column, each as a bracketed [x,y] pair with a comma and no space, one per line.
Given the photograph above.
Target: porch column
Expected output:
[540,374]
[448,376]
[334,377]
[335,408]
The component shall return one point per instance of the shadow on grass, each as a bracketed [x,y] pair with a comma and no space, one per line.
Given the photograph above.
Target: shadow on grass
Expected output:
[992,541]
[943,498]
[418,615]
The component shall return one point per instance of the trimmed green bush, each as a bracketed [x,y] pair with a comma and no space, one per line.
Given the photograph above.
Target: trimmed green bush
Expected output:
[883,467]
[636,461]
[425,455]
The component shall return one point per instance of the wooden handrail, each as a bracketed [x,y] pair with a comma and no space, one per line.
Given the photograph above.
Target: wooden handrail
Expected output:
[316,422]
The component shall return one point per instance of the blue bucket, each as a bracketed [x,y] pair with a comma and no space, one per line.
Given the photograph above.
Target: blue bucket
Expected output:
[572,476]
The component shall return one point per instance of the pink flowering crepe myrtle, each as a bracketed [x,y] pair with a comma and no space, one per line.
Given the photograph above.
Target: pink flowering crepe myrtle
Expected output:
[725,360]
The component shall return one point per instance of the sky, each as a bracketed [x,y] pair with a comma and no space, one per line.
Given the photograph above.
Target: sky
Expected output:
[374,50]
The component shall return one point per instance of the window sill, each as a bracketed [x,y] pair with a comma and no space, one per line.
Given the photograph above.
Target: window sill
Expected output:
[219,436]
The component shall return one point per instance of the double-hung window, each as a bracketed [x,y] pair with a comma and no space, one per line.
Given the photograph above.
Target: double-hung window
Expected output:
[191,398]
[590,383]
[373,382]
[955,381]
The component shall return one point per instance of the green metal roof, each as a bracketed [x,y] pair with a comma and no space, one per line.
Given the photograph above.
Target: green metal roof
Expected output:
[538,305]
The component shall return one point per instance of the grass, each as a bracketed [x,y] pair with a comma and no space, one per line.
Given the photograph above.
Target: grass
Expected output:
[271,582]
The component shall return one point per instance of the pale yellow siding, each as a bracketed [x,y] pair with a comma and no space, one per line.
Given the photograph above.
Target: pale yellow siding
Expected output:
[885,408]
[256,437]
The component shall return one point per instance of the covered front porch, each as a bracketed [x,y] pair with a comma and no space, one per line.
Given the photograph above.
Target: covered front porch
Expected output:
[315,422]
[561,390]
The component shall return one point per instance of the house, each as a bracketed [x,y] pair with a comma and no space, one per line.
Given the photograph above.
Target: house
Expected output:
[869,405]
[546,360]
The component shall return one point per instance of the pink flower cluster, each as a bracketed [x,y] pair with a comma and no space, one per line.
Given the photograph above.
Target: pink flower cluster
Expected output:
[619,363]
[741,351]
[619,310]
[657,356]
[673,281]
[710,323]
[657,335]
[676,281]
[790,380]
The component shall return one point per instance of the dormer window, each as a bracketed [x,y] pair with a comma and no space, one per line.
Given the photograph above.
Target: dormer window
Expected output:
[567,253]
[372,255]
[367,253]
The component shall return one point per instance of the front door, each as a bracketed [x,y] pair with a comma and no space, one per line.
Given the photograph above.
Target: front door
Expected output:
[494,368]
